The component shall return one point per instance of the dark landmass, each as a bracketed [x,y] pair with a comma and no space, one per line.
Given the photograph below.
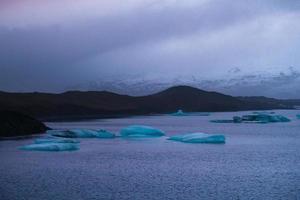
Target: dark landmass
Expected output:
[13,124]
[99,104]
[271,101]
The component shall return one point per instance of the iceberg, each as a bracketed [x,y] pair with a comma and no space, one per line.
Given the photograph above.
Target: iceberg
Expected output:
[263,112]
[198,138]
[82,133]
[51,147]
[298,116]
[105,134]
[141,131]
[255,118]
[222,121]
[179,113]
[54,140]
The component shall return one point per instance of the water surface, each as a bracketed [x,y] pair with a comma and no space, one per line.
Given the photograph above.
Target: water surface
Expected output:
[258,161]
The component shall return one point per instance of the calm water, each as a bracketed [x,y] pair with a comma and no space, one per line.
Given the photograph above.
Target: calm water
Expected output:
[258,161]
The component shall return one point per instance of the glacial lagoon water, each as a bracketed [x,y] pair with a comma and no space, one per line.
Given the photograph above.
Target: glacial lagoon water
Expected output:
[258,161]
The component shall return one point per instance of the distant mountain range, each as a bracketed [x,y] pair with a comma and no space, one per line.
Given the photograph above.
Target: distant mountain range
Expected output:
[272,83]
[77,104]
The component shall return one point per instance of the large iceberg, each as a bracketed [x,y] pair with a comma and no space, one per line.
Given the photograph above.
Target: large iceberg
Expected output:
[255,118]
[82,133]
[51,147]
[198,138]
[141,131]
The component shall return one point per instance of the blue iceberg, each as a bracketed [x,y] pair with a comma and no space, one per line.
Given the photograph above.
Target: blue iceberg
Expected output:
[54,140]
[82,133]
[198,138]
[105,134]
[181,113]
[51,147]
[263,112]
[141,131]
[255,118]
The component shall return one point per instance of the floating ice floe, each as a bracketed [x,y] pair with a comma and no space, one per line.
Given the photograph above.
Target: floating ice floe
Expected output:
[51,147]
[54,140]
[141,131]
[198,138]
[255,118]
[82,133]
[263,112]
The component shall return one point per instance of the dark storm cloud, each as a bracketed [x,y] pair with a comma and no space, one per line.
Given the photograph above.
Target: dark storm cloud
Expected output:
[164,35]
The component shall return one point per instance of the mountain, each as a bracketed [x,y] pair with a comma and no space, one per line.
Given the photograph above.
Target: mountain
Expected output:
[277,83]
[103,104]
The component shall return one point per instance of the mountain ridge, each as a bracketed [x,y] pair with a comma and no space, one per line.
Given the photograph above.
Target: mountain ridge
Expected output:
[97,104]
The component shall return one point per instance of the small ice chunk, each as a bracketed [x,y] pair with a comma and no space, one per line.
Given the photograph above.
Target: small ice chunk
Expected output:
[51,147]
[82,133]
[54,140]
[222,121]
[198,138]
[263,112]
[179,113]
[141,131]
[237,119]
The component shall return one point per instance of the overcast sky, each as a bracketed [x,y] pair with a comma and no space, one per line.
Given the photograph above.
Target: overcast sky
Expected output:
[51,45]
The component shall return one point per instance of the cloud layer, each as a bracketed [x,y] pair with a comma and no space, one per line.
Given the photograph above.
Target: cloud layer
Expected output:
[51,45]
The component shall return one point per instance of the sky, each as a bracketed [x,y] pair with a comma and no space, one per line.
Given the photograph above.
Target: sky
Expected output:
[241,48]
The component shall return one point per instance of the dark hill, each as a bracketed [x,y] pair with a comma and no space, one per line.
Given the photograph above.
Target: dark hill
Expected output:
[17,124]
[103,104]
[189,99]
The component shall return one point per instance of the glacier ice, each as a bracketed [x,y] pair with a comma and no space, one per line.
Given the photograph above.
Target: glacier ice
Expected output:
[51,147]
[82,133]
[54,140]
[198,138]
[255,118]
[141,131]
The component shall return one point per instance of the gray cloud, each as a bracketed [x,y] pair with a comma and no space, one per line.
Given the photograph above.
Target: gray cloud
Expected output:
[156,37]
